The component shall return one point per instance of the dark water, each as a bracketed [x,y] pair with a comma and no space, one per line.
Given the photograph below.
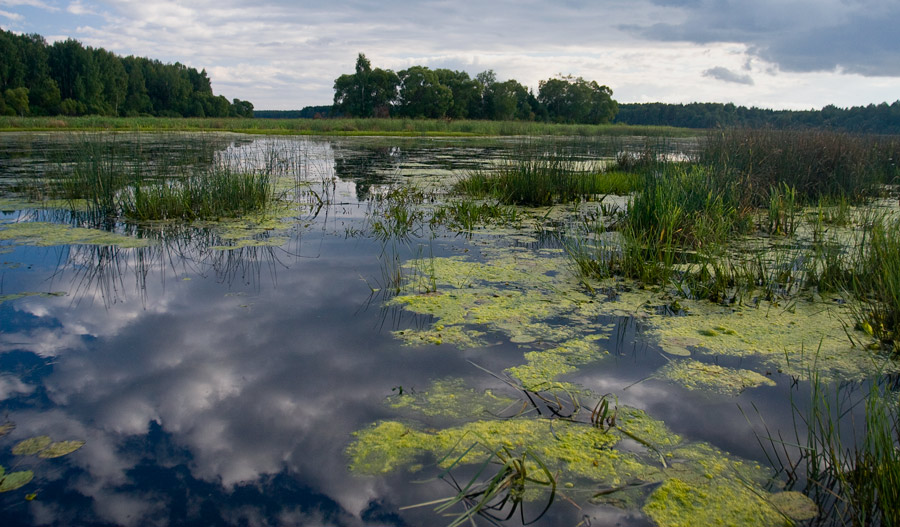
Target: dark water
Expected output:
[222,387]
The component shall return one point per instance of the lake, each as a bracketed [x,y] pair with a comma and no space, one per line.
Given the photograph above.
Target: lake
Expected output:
[360,349]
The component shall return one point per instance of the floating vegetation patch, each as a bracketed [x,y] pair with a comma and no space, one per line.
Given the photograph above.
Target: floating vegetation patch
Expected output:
[16,296]
[688,481]
[543,368]
[514,292]
[49,234]
[709,487]
[696,375]
[451,398]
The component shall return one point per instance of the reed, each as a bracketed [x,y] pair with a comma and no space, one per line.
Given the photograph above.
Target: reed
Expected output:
[814,163]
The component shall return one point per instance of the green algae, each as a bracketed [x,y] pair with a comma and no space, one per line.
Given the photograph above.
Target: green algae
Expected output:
[49,234]
[513,292]
[575,449]
[451,398]
[708,487]
[543,368]
[696,375]
[26,294]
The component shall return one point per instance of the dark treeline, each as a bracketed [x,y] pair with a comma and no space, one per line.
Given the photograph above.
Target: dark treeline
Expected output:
[878,119]
[420,92]
[66,78]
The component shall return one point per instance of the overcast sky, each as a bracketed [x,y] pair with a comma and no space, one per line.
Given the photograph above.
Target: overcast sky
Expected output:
[285,54]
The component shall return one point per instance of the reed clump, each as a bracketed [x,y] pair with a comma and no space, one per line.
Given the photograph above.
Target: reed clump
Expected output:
[105,185]
[855,477]
[540,179]
[814,163]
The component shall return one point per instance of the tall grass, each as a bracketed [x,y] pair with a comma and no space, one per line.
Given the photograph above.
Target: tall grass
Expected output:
[536,178]
[815,163]
[877,282]
[341,126]
[106,185]
[855,478]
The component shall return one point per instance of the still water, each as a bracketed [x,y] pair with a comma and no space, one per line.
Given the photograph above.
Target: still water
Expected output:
[217,386]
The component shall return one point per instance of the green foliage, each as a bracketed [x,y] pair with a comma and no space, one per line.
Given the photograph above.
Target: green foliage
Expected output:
[883,118]
[366,93]
[572,100]
[69,78]
[419,92]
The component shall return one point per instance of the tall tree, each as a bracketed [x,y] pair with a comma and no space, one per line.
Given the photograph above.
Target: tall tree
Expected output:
[366,93]
[422,94]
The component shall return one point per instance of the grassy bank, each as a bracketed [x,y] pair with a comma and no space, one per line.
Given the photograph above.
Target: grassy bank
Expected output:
[338,127]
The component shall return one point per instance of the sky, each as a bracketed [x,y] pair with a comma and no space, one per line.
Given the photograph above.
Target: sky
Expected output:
[285,54]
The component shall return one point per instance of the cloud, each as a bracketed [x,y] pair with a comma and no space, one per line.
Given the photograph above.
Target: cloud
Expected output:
[726,75]
[11,16]
[798,35]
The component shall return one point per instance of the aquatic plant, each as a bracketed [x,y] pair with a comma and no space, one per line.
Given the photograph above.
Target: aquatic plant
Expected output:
[877,282]
[852,472]
[813,162]
[537,178]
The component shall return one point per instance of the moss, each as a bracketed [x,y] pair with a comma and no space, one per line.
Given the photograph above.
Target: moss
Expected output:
[49,234]
[695,375]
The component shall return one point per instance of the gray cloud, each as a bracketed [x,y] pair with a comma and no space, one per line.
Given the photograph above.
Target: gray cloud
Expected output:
[726,75]
[802,36]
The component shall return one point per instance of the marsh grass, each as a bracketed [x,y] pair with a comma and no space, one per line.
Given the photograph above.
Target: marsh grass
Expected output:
[106,183]
[339,127]
[877,283]
[814,163]
[468,215]
[497,489]
[537,178]
[853,474]
[210,194]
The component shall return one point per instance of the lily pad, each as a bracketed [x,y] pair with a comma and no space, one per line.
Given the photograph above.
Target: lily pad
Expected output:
[60,448]
[32,446]
[15,480]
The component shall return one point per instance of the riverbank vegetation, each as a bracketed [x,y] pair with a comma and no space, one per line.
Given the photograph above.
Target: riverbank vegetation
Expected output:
[333,127]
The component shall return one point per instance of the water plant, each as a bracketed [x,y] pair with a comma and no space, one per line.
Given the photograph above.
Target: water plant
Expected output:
[537,178]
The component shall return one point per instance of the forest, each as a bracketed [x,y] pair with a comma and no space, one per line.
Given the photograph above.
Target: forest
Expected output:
[883,118]
[67,78]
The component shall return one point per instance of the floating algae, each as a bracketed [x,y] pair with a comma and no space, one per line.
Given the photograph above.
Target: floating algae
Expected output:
[453,399]
[514,292]
[696,483]
[696,375]
[709,487]
[543,368]
[48,234]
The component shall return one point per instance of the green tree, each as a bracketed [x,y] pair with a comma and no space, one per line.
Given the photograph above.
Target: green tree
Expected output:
[366,93]
[575,100]
[422,94]
[465,90]
[17,100]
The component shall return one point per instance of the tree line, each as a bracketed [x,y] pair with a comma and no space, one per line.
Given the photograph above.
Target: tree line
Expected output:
[67,78]
[883,118]
[420,92]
